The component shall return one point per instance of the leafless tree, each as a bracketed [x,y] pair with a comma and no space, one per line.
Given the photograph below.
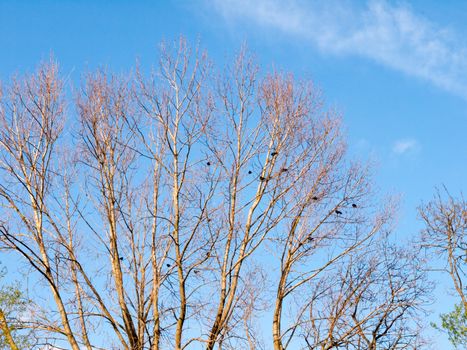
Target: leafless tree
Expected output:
[445,235]
[326,218]
[372,301]
[152,208]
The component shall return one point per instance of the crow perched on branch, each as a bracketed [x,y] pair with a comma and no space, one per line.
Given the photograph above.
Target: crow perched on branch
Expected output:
[338,212]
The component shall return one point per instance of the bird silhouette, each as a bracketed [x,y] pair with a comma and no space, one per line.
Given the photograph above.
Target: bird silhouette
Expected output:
[354,205]
[196,271]
[121,258]
[261,178]
[338,212]
[168,265]
[274,153]
[315,198]
[284,170]
[208,163]
[249,171]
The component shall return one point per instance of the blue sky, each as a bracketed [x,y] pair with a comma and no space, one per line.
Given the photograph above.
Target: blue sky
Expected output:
[397,70]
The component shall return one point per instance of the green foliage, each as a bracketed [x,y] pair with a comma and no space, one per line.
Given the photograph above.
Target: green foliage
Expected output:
[14,305]
[454,324]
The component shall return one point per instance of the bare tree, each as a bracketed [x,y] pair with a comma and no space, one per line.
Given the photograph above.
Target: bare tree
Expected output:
[32,119]
[445,239]
[445,234]
[371,301]
[151,211]
[326,218]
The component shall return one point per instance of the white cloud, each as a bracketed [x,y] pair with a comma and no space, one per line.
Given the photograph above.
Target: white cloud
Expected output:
[405,146]
[392,35]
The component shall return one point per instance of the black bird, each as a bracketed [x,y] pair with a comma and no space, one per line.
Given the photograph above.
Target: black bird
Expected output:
[274,153]
[284,170]
[338,212]
[354,205]
[262,178]
[196,271]
[310,239]
[168,265]
[121,258]
[208,163]
[249,171]
[315,198]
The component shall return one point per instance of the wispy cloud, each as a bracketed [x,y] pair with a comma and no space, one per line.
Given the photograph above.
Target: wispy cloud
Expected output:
[392,35]
[404,146]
